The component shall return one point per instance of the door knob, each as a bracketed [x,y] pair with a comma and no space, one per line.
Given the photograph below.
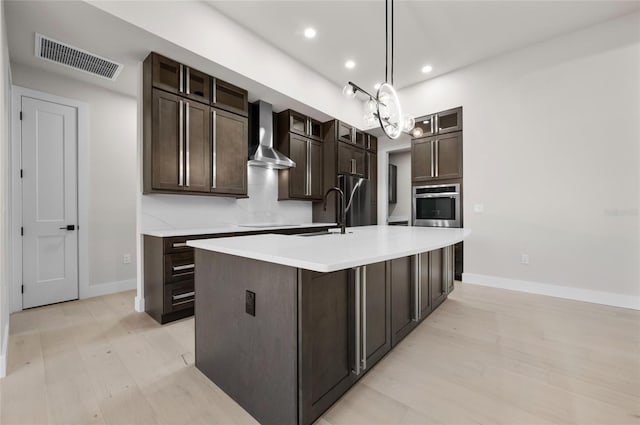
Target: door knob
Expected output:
[69,227]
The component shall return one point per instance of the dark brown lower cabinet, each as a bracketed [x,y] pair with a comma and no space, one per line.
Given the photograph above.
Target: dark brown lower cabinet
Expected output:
[437,282]
[403,306]
[345,329]
[377,313]
[327,352]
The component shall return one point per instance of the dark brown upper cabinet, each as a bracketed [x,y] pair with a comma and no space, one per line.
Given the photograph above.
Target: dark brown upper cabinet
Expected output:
[448,121]
[351,160]
[179,144]
[300,124]
[190,147]
[197,85]
[436,157]
[371,143]
[345,133]
[371,160]
[164,150]
[304,181]
[166,74]
[229,148]
[230,98]
[180,79]
[197,147]
[361,139]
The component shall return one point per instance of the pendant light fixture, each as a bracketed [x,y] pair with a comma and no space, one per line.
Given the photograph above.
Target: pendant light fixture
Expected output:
[384,108]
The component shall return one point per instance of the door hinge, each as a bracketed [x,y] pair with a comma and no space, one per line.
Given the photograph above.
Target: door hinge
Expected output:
[20,115]
[22,289]
[21,173]
[22,231]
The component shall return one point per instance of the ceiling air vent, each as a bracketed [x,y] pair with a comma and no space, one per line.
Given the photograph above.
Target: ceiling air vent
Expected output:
[64,54]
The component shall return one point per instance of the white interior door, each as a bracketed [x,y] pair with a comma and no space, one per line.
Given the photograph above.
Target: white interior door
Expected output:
[49,202]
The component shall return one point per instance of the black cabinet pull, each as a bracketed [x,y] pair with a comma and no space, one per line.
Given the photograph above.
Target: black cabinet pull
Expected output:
[69,227]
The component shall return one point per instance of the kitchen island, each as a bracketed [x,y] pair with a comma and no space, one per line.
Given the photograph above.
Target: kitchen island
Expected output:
[286,324]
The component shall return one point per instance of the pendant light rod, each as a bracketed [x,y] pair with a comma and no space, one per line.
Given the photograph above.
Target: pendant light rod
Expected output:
[392,43]
[386,41]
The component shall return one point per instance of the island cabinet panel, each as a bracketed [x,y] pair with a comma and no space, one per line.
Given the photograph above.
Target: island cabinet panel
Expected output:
[437,279]
[425,305]
[403,293]
[327,340]
[377,313]
[253,358]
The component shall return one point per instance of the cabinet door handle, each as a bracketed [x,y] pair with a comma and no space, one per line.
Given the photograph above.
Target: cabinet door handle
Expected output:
[215,91]
[180,84]
[431,145]
[357,320]
[187,137]
[184,267]
[179,244]
[432,124]
[187,82]
[417,289]
[183,296]
[308,176]
[437,118]
[214,140]
[363,283]
[181,143]
[436,159]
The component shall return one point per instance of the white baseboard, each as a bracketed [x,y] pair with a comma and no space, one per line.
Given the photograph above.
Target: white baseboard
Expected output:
[4,347]
[91,291]
[139,304]
[577,294]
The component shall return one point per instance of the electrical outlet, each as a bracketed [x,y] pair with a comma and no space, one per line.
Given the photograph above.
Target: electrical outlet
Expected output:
[126,259]
[524,259]
[250,303]
[478,208]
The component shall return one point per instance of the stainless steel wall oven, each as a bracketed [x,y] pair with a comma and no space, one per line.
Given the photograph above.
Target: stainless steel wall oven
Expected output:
[437,205]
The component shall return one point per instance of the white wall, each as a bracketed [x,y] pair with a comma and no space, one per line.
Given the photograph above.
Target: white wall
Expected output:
[112,175]
[551,150]
[192,212]
[244,57]
[5,193]
[401,210]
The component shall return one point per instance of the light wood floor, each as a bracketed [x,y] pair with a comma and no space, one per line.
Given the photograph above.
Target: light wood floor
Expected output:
[487,356]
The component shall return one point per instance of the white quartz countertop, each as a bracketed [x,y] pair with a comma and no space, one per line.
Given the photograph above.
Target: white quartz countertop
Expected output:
[327,253]
[232,228]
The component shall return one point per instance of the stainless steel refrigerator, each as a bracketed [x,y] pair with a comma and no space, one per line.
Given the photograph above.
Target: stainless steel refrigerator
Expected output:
[358,197]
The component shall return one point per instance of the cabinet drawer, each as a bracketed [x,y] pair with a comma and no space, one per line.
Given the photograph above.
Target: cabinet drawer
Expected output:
[178,267]
[178,296]
[177,244]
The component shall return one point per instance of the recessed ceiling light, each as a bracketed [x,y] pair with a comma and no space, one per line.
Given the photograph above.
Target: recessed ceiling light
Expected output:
[377,86]
[427,68]
[309,32]
[350,64]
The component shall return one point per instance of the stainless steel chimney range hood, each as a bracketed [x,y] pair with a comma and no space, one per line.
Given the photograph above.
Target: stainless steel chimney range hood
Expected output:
[261,150]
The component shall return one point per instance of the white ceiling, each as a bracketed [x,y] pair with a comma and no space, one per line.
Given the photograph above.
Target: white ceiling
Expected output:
[445,34]
[448,35]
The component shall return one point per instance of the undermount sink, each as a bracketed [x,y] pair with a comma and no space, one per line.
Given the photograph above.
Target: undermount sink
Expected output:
[262,225]
[320,233]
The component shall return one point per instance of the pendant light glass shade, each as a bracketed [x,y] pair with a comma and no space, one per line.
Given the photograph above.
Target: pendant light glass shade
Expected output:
[348,91]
